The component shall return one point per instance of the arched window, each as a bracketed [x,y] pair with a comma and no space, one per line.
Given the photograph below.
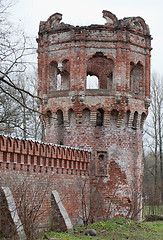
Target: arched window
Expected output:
[101,163]
[100,117]
[66,75]
[127,118]
[114,117]
[60,75]
[49,117]
[135,120]
[86,116]
[53,74]
[99,70]
[136,78]
[143,117]
[60,123]
[60,117]
[71,116]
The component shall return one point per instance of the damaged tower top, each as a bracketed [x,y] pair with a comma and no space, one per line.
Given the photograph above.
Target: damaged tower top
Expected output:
[95,85]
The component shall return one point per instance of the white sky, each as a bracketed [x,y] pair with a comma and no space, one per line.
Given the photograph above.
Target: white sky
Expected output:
[86,12]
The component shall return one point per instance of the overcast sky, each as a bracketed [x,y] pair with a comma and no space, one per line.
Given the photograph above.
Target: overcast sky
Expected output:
[86,12]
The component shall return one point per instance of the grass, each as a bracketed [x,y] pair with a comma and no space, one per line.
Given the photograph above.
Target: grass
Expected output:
[115,229]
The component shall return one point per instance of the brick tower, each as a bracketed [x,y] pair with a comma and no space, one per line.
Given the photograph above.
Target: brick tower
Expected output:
[95,85]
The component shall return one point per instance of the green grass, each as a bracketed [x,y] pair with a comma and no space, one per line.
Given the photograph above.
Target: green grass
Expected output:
[115,229]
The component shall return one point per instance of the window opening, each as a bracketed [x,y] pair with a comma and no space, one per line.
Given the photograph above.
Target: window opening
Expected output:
[92,82]
[136,78]
[100,117]
[60,122]
[71,115]
[49,117]
[59,81]
[114,117]
[65,75]
[101,68]
[143,117]
[101,163]
[60,117]
[134,122]
[53,72]
[127,117]
[86,115]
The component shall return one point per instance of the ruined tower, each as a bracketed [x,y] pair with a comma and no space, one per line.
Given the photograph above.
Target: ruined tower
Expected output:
[95,85]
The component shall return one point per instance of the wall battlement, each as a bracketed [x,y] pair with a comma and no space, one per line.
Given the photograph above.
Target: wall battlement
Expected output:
[27,155]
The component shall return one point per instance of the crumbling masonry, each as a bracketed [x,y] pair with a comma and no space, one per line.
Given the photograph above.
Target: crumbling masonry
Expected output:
[95,82]
[95,85]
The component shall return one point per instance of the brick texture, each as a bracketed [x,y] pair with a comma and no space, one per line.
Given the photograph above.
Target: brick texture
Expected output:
[93,151]
[106,119]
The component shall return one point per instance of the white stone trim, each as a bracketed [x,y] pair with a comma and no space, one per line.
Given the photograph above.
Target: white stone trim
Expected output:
[14,213]
[62,210]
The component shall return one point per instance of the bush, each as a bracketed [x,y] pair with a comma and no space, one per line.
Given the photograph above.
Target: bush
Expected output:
[151,218]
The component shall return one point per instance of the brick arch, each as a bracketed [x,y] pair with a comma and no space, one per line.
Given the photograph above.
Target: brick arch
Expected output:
[59,108]
[53,60]
[98,106]
[137,78]
[135,61]
[103,68]
[85,106]
[88,57]
[47,109]
[62,59]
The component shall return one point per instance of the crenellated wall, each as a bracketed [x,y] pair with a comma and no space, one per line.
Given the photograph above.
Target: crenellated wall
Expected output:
[42,169]
[25,155]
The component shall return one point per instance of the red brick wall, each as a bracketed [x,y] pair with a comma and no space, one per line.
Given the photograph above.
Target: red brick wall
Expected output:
[44,168]
[118,53]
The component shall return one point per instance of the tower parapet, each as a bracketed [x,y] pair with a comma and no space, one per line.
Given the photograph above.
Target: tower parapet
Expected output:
[95,85]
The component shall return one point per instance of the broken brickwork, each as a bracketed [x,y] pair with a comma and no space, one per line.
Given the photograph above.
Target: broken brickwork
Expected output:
[95,85]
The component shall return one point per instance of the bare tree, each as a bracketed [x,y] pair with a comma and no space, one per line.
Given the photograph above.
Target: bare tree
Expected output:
[31,194]
[153,136]
[19,112]
[15,49]
[18,120]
